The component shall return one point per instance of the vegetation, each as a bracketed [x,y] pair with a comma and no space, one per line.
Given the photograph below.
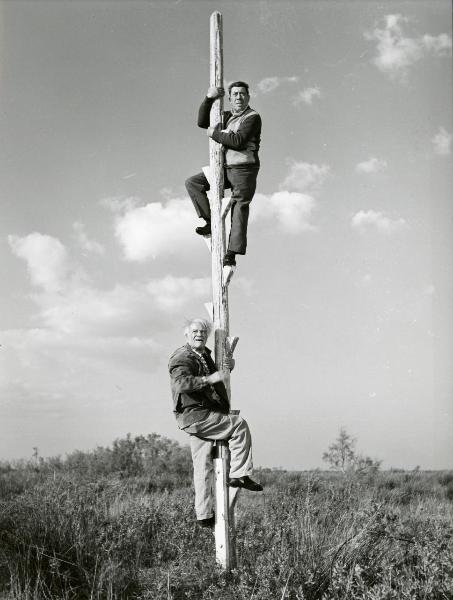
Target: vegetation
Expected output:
[343,456]
[118,523]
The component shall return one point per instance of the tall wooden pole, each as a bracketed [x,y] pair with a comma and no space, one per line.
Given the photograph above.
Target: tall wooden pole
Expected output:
[224,526]
[219,291]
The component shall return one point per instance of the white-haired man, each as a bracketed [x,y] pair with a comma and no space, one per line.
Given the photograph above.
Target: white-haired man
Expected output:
[201,407]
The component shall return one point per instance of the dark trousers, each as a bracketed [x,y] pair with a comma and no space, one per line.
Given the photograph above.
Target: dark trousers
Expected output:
[242,181]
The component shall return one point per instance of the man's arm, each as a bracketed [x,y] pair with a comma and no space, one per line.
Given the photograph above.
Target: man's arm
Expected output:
[205,109]
[204,113]
[237,140]
[184,380]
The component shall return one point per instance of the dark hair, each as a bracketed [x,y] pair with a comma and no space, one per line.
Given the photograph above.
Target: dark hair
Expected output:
[238,84]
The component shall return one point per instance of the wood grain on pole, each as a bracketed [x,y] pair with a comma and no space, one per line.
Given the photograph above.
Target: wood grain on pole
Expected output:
[219,290]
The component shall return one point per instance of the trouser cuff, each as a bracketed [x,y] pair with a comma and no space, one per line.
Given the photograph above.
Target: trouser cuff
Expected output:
[240,474]
[205,516]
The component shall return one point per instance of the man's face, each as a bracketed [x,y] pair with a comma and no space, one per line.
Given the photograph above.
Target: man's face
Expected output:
[239,98]
[197,336]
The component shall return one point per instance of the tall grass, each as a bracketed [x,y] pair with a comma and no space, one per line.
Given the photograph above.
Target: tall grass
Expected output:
[68,534]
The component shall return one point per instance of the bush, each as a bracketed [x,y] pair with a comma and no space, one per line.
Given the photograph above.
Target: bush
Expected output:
[342,456]
[163,462]
[71,533]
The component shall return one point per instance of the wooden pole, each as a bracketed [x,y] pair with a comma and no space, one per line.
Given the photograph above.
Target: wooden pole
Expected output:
[224,534]
[219,294]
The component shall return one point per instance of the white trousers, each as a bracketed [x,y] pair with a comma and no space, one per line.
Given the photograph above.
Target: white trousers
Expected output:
[202,435]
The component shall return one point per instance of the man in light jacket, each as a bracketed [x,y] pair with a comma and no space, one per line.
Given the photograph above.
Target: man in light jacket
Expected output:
[201,407]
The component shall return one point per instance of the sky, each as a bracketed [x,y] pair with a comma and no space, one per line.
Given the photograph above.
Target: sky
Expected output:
[343,302]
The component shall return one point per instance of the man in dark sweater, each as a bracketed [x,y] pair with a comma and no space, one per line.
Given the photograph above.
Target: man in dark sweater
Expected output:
[240,135]
[202,409]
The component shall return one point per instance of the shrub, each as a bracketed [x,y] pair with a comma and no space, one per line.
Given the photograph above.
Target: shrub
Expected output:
[342,456]
[69,533]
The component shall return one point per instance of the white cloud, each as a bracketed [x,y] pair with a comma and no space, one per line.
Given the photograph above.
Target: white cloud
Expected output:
[119,204]
[124,310]
[370,219]
[167,227]
[440,45]
[269,84]
[38,346]
[31,358]
[307,96]
[90,311]
[81,331]
[396,52]
[372,165]
[293,206]
[291,210]
[154,229]
[84,242]
[93,337]
[442,142]
[304,176]
[429,290]
[172,293]
[68,303]
[46,258]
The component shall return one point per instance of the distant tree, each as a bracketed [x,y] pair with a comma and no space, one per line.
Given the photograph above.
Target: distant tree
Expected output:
[342,456]
[37,461]
[341,453]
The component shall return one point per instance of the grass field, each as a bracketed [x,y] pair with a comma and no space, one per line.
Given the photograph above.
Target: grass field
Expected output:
[118,523]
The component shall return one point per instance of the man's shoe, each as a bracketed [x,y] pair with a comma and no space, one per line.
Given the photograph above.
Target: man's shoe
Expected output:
[229,260]
[246,483]
[205,230]
[209,522]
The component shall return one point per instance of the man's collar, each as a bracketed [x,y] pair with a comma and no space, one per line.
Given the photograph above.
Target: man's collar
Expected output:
[238,114]
[206,350]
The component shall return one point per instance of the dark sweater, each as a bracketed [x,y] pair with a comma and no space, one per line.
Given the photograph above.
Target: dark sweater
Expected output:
[241,134]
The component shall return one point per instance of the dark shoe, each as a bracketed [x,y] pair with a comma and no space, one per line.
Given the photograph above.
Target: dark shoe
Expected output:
[229,260]
[246,483]
[209,522]
[205,230]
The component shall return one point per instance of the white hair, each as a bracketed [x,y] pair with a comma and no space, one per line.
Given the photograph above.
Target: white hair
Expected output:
[206,325]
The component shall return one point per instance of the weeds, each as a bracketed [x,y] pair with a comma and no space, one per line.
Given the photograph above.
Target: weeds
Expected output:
[85,531]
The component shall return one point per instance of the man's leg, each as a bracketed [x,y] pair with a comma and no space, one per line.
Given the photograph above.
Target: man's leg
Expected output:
[197,186]
[203,477]
[243,184]
[240,444]
[236,430]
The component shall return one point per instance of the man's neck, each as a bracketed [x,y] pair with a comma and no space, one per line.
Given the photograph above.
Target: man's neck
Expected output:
[238,112]
[199,351]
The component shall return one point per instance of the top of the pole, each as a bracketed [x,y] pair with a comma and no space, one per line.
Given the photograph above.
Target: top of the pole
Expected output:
[216,68]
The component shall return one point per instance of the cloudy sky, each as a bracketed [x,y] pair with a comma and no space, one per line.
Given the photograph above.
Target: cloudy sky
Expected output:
[343,301]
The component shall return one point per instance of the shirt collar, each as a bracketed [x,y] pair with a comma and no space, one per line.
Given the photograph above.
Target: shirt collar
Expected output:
[238,114]
[206,350]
